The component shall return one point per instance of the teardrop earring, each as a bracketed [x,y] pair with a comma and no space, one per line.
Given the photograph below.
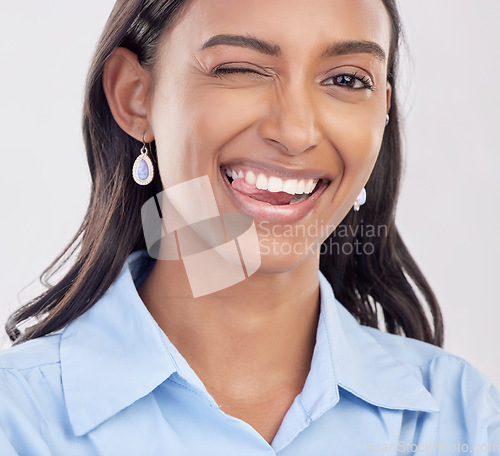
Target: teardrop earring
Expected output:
[143,171]
[360,200]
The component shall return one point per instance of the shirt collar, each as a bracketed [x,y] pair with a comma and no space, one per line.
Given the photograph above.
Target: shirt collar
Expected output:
[115,354]
[355,361]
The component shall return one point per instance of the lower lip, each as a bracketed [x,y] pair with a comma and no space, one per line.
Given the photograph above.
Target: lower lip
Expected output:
[279,214]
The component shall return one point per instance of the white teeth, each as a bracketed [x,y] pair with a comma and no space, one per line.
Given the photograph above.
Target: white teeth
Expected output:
[310,184]
[301,185]
[250,178]
[290,186]
[274,184]
[261,182]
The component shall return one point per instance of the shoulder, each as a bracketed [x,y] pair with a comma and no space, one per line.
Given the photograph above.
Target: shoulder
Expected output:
[30,372]
[461,391]
[31,395]
[30,369]
[31,354]
[431,361]
[409,351]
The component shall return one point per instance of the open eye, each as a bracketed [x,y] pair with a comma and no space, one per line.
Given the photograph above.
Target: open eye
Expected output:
[350,81]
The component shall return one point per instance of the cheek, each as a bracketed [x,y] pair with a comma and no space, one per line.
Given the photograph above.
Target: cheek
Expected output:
[193,125]
[359,151]
[170,138]
[217,115]
[356,132]
[356,135]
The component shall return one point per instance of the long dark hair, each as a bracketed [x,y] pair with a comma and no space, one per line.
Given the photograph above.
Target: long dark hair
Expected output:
[382,288]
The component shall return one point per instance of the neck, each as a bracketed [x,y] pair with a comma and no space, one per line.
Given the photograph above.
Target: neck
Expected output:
[247,340]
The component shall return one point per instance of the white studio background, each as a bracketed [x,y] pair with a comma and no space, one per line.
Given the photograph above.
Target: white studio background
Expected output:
[448,210]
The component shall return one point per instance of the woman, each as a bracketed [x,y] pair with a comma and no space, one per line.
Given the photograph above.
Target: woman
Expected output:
[282,113]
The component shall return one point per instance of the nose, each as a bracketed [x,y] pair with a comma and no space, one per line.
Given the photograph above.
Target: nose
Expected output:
[291,121]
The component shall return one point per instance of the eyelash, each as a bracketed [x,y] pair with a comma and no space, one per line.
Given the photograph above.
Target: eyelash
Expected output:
[234,70]
[223,71]
[365,80]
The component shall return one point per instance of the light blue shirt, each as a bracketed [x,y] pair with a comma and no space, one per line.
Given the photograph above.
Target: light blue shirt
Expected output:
[111,383]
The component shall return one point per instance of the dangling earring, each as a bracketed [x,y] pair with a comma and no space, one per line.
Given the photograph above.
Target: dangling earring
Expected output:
[387,120]
[143,171]
[360,200]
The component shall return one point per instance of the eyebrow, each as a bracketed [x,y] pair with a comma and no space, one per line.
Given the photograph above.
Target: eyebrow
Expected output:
[355,47]
[243,41]
[264,47]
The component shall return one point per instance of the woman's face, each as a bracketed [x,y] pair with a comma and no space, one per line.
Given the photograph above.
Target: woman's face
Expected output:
[283,94]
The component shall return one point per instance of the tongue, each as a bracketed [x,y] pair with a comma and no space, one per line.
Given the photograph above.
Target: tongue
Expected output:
[276,198]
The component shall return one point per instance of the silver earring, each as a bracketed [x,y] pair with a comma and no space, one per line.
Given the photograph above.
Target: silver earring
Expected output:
[387,118]
[360,200]
[143,171]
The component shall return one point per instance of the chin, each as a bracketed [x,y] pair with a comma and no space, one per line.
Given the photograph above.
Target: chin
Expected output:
[280,257]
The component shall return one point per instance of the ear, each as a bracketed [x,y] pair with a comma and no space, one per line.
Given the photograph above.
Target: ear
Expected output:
[126,85]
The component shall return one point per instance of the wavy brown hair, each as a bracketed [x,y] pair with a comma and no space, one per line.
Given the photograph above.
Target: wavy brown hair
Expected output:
[383,288]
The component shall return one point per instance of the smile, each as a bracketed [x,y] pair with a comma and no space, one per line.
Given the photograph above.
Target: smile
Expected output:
[279,195]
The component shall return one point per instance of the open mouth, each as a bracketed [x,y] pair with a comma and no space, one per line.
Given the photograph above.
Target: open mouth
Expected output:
[273,190]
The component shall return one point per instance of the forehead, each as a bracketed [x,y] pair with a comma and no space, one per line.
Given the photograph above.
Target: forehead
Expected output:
[294,25]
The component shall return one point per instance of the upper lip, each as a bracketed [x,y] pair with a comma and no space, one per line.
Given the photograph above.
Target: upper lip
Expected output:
[287,172]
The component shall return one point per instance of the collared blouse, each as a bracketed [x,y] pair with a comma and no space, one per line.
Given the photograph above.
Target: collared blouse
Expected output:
[111,383]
